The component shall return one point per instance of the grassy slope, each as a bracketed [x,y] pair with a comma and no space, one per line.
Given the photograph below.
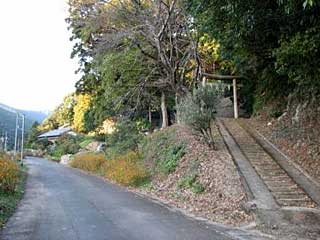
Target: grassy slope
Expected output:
[9,201]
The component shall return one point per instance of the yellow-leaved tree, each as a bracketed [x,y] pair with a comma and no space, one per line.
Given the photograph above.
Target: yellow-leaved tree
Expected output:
[82,105]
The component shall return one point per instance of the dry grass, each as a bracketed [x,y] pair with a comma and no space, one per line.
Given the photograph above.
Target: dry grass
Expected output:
[126,170]
[9,173]
[89,162]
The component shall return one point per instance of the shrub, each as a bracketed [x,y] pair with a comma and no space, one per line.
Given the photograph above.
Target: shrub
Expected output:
[169,160]
[66,145]
[162,151]
[90,162]
[126,170]
[197,110]
[125,138]
[143,125]
[191,182]
[42,144]
[190,179]
[9,173]
[85,143]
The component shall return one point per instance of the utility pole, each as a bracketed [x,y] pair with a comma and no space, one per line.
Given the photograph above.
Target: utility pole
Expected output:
[5,141]
[235,99]
[2,143]
[17,127]
[22,138]
[16,134]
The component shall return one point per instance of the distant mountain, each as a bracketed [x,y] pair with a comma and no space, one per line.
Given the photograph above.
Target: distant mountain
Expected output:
[38,116]
[8,121]
[35,116]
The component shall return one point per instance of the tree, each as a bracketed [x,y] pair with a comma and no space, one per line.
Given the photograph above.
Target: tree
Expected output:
[259,38]
[65,111]
[61,115]
[198,110]
[33,134]
[50,123]
[160,30]
[81,107]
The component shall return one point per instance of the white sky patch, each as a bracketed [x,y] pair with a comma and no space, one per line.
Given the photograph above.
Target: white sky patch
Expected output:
[36,71]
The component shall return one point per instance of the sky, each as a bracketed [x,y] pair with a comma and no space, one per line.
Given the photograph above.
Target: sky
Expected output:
[36,71]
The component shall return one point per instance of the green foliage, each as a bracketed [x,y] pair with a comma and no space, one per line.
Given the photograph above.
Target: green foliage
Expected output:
[143,124]
[65,111]
[127,55]
[50,123]
[65,145]
[85,142]
[170,159]
[190,180]
[61,115]
[298,58]
[125,138]
[162,151]
[187,181]
[273,44]
[289,5]
[42,144]
[33,134]
[118,91]
[198,110]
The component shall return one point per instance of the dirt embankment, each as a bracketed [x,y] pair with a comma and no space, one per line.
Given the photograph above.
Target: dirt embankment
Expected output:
[205,181]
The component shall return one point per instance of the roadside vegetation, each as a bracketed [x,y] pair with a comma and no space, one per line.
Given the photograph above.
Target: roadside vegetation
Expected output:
[179,164]
[12,180]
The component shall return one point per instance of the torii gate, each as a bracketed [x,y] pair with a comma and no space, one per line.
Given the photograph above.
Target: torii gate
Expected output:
[234,84]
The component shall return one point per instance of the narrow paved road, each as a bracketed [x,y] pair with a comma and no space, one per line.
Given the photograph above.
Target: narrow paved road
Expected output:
[63,203]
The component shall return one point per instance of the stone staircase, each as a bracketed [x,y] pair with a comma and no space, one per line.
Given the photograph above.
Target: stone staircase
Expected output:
[285,191]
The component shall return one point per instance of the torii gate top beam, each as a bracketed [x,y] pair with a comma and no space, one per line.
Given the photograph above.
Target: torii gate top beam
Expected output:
[221,77]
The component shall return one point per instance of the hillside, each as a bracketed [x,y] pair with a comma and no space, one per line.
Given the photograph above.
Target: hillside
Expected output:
[8,121]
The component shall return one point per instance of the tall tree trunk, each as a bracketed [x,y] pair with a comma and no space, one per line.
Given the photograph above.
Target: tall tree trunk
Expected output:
[164,112]
[150,115]
[178,120]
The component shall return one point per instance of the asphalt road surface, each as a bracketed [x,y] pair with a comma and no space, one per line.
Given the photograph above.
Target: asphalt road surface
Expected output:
[65,204]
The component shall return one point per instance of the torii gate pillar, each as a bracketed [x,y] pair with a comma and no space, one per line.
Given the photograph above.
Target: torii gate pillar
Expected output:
[235,99]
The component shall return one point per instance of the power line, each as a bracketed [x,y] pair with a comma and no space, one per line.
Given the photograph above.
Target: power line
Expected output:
[18,114]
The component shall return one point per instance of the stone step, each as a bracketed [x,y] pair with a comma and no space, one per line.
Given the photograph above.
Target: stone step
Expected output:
[277,174]
[290,196]
[272,184]
[279,179]
[284,190]
[295,202]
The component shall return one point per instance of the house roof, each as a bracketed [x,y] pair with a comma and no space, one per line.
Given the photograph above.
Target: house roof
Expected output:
[55,133]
